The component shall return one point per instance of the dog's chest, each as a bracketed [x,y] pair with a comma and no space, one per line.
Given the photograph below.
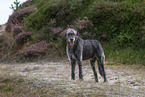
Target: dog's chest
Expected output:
[70,53]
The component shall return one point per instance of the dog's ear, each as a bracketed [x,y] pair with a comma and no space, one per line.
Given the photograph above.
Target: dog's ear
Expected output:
[75,32]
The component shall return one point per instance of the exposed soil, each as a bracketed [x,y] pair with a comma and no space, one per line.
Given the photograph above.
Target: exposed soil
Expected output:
[53,78]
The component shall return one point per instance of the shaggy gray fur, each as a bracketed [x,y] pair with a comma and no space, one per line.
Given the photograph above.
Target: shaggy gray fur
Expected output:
[79,49]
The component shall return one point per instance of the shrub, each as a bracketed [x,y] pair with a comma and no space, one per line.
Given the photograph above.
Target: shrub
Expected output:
[118,20]
[85,23]
[1,39]
[40,18]
[23,38]
[74,4]
[28,3]
[84,26]
[36,49]
[49,33]
[17,4]
[58,9]
[8,27]
[16,30]
[52,22]
[18,16]
[55,33]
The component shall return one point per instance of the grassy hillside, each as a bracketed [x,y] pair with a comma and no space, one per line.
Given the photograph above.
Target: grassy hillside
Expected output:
[118,24]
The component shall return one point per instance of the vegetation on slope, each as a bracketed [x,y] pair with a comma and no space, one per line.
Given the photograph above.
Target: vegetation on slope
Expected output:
[117,24]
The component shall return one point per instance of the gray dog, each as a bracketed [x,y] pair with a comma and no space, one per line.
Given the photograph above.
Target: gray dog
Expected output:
[79,49]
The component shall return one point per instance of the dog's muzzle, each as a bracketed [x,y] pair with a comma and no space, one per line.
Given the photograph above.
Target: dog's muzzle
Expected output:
[71,43]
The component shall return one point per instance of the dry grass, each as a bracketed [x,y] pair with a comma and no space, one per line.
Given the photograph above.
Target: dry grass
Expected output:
[8,45]
[2,29]
[52,78]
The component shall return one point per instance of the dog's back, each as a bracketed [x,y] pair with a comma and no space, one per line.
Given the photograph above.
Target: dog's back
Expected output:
[91,48]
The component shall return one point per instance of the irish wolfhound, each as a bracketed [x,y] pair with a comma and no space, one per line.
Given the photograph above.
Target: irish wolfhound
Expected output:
[79,49]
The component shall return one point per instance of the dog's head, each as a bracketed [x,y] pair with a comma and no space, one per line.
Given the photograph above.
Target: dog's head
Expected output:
[70,36]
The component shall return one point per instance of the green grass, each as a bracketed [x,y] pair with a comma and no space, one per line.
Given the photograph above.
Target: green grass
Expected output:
[18,86]
[126,55]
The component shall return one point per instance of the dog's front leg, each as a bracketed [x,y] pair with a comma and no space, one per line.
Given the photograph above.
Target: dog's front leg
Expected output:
[73,64]
[79,56]
[80,69]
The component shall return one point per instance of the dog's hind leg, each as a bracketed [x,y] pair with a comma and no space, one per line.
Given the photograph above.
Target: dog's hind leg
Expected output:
[92,62]
[73,65]
[100,61]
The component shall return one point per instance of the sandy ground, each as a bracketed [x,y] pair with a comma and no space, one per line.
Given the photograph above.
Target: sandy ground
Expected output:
[123,81]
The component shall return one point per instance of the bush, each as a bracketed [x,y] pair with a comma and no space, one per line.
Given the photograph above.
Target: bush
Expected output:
[28,3]
[84,26]
[16,30]
[36,49]
[18,16]
[1,39]
[55,33]
[45,13]
[122,22]
[85,23]
[23,38]
[49,33]
[17,5]
[74,4]
[58,9]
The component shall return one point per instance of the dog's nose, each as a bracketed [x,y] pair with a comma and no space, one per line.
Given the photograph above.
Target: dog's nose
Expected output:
[71,39]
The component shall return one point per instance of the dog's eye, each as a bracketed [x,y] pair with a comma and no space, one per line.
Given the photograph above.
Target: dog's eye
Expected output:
[69,34]
[73,33]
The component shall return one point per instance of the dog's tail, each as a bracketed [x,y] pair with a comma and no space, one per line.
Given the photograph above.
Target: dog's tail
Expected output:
[101,62]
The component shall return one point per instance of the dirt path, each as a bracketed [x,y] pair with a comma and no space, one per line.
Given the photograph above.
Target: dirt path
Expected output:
[53,79]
